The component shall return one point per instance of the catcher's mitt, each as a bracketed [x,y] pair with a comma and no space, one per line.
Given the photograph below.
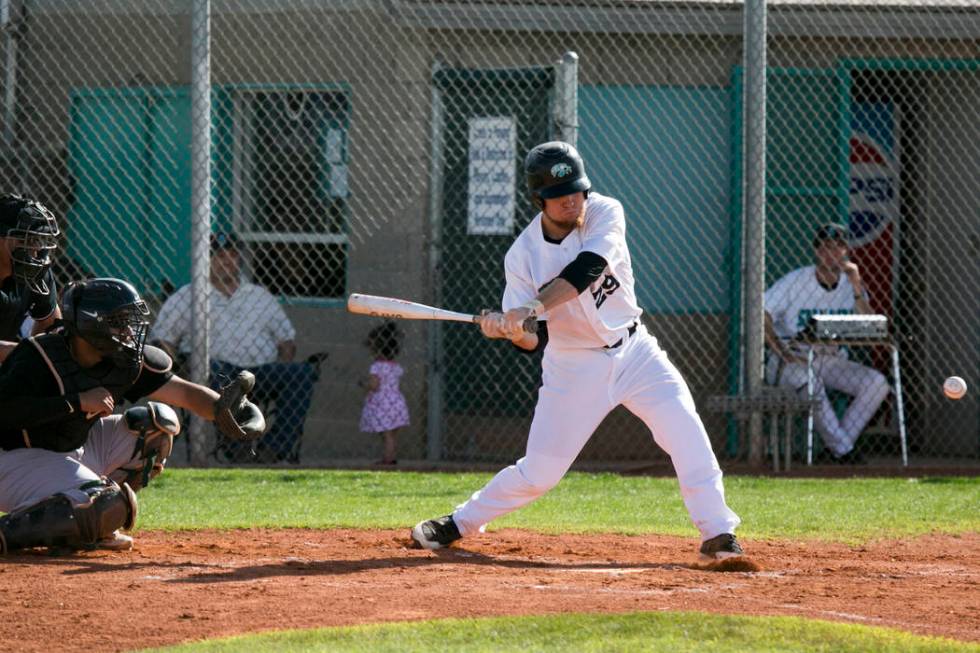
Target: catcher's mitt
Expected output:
[238,418]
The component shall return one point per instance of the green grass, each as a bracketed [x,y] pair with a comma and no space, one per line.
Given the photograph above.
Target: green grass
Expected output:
[849,510]
[676,632]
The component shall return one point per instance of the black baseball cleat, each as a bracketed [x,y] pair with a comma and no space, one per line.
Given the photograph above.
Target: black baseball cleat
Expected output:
[720,547]
[436,533]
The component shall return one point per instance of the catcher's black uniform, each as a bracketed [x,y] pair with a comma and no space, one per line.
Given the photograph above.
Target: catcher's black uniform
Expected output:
[40,384]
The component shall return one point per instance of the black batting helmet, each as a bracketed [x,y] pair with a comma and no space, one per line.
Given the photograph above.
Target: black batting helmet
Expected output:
[110,316]
[554,169]
[35,232]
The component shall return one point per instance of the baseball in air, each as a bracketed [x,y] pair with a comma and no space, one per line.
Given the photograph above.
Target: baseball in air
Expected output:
[954,387]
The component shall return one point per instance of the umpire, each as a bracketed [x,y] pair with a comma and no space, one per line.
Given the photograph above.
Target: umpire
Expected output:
[28,239]
[68,466]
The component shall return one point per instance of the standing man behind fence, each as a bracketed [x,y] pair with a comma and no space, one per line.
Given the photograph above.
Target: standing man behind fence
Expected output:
[249,330]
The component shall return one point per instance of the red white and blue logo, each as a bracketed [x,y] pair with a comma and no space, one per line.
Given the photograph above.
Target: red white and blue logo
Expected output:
[874,208]
[874,199]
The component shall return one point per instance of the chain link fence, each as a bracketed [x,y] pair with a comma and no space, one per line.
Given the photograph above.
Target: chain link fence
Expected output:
[376,146]
[869,128]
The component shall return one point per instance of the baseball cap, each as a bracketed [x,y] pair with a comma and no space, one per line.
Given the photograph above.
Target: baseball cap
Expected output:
[223,240]
[830,231]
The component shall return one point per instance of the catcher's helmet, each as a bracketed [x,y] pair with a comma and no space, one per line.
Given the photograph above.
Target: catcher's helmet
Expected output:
[35,232]
[110,316]
[554,169]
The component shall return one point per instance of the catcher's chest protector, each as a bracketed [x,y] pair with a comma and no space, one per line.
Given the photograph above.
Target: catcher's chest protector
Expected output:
[71,432]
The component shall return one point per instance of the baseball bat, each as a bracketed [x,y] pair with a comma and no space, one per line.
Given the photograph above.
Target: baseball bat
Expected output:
[391,307]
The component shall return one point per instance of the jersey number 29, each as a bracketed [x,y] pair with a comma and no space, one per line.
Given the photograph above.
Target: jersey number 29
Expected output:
[608,287]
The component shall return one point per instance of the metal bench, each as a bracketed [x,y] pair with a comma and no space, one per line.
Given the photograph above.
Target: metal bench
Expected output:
[775,402]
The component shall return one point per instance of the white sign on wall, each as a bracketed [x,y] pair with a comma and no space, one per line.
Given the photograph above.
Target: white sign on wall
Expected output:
[493,148]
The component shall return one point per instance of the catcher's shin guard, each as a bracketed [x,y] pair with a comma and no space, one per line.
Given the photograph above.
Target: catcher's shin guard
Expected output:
[57,522]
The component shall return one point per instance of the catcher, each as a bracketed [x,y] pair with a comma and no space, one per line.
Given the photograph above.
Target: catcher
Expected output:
[69,468]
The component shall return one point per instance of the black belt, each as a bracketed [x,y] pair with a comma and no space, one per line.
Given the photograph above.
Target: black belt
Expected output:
[629,334]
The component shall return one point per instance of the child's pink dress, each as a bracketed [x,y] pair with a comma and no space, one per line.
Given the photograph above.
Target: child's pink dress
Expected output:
[385,408]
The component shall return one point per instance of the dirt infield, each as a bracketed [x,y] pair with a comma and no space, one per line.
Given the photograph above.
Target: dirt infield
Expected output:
[181,586]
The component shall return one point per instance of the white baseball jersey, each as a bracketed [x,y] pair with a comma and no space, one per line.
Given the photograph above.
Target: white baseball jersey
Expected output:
[602,314]
[798,295]
[246,328]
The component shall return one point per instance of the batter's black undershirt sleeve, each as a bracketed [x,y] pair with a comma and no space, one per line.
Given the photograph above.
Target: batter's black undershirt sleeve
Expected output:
[584,270]
[542,339]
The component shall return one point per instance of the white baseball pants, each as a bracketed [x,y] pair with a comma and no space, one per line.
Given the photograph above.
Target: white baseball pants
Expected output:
[29,475]
[867,386]
[580,387]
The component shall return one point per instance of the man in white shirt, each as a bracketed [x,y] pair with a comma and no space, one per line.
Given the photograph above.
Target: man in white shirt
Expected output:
[832,285]
[570,268]
[249,330]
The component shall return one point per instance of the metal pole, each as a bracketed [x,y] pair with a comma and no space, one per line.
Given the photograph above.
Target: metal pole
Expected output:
[200,212]
[774,439]
[810,383]
[899,406]
[755,208]
[436,353]
[10,38]
[788,439]
[566,108]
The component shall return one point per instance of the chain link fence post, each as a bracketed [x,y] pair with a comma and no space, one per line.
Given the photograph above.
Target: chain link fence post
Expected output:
[434,374]
[200,215]
[566,113]
[755,209]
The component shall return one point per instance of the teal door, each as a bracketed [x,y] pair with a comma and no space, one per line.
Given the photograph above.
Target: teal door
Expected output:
[128,155]
[483,378]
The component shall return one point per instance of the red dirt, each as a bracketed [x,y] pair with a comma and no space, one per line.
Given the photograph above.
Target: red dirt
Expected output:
[182,586]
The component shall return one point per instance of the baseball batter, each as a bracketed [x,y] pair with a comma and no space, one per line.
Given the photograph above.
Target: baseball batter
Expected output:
[832,285]
[571,268]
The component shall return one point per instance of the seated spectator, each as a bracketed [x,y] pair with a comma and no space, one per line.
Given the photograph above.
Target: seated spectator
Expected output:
[248,330]
[832,285]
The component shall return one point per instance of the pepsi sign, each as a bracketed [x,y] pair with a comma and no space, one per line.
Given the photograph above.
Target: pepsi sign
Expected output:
[874,184]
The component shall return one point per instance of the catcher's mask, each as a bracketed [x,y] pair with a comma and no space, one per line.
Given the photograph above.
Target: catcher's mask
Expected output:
[554,169]
[34,232]
[110,316]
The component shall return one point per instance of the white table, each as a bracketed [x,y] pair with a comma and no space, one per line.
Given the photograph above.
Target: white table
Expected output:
[896,374]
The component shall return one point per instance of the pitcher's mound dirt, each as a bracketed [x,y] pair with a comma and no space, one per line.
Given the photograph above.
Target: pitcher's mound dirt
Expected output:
[182,586]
